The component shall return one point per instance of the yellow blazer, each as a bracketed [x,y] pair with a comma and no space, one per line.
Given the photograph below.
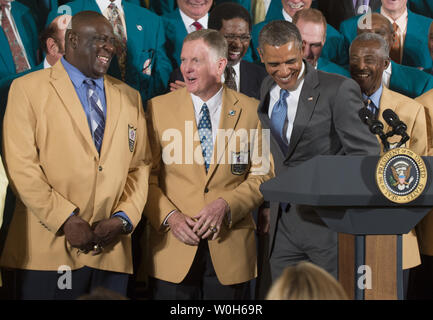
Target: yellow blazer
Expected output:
[413,115]
[425,227]
[54,168]
[186,186]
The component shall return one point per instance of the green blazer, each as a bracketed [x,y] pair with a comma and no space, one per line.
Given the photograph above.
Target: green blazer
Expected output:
[422,7]
[28,31]
[146,38]
[328,66]
[415,49]
[409,81]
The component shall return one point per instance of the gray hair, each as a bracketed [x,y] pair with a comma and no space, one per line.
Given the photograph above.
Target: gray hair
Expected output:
[370,36]
[215,40]
[279,32]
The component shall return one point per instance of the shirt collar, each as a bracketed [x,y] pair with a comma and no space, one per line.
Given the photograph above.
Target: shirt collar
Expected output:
[375,97]
[401,21]
[286,16]
[188,21]
[213,103]
[103,5]
[77,77]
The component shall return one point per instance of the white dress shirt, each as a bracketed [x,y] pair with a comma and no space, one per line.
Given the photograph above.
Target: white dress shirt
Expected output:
[286,16]
[292,101]
[15,30]
[237,75]
[103,6]
[187,21]
[386,76]
[214,104]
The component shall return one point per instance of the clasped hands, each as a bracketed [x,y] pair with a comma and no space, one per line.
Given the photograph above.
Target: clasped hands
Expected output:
[81,235]
[205,225]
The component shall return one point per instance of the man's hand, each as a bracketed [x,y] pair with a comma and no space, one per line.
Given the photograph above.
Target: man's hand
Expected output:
[79,234]
[108,230]
[264,221]
[181,226]
[177,85]
[210,219]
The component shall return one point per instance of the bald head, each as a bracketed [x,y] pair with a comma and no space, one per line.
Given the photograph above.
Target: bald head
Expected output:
[90,43]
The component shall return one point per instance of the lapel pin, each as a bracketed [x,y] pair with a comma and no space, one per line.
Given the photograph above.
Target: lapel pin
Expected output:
[310,99]
[139,27]
[232,112]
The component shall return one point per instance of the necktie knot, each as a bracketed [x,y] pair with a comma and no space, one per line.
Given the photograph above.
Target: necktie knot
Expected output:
[284,94]
[197,25]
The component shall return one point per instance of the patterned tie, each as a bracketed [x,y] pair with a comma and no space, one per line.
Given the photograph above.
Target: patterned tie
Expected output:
[278,119]
[395,53]
[119,32]
[197,25]
[205,134]
[17,51]
[259,11]
[229,74]
[372,107]
[96,113]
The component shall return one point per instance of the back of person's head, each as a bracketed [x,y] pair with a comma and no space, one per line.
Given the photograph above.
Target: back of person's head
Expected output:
[306,281]
[228,11]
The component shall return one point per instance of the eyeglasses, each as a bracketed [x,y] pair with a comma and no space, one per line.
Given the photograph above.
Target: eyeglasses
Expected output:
[233,37]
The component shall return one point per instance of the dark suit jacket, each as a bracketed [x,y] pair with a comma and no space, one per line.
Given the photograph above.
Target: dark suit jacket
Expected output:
[251,77]
[326,123]
[336,11]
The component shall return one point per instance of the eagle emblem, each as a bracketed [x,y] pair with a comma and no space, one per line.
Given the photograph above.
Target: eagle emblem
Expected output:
[401,177]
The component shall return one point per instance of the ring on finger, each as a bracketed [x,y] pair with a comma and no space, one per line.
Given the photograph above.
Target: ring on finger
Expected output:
[213,229]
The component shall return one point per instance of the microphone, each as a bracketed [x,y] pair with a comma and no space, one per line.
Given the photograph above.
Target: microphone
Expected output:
[398,126]
[375,126]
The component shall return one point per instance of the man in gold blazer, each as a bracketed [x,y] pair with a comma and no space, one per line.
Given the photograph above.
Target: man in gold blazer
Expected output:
[368,59]
[76,152]
[204,186]
[423,275]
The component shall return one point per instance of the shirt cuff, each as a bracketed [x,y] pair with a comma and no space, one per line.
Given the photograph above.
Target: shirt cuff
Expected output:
[124,216]
[165,224]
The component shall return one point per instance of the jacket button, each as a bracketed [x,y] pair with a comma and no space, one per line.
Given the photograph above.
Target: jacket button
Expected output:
[206,190]
[100,168]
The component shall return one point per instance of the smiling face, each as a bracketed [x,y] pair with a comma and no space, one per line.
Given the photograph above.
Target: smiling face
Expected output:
[201,69]
[236,31]
[195,9]
[291,6]
[92,45]
[313,39]
[367,65]
[283,63]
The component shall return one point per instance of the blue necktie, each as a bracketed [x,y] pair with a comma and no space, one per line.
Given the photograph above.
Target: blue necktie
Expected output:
[278,118]
[372,107]
[205,134]
[97,118]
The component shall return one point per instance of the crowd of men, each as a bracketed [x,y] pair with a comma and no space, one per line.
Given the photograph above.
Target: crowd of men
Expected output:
[158,180]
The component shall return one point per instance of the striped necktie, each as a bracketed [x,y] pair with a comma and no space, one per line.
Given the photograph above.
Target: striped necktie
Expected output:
[372,107]
[278,119]
[96,114]
[205,134]
[197,25]
[17,50]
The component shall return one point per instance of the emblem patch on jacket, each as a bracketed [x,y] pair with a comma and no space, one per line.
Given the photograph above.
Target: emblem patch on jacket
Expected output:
[132,134]
[239,163]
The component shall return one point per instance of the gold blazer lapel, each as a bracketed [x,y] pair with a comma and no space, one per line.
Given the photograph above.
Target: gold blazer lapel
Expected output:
[113,98]
[67,94]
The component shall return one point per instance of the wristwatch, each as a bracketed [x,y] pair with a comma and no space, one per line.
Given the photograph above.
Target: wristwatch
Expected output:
[126,226]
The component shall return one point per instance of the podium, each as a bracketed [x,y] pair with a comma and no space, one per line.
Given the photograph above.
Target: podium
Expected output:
[344,193]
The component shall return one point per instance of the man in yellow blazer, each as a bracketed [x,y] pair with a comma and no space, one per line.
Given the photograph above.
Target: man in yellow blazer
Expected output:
[423,275]
[368,59]
[208,164]
[76,152]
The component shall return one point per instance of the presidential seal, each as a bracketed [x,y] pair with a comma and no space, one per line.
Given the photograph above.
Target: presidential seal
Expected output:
[401,175]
